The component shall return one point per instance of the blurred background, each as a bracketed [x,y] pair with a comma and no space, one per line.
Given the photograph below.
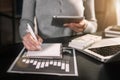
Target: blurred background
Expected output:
[10,14]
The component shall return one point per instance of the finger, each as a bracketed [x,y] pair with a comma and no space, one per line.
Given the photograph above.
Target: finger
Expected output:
[76,27]
[30,43]
[71,26]
[31,40]
[26,45]
[34,45]
[40,40]
[79,30]
[66,25]
[29,46]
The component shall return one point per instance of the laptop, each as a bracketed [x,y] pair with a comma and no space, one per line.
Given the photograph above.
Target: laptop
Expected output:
[106,50]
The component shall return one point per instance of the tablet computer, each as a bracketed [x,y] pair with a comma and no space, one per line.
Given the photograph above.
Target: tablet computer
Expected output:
[61,20]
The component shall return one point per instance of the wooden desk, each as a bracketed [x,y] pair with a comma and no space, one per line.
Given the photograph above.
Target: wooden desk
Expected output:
[88,68]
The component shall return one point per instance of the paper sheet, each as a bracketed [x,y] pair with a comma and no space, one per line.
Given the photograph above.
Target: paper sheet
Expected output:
[48,50]
[106,42]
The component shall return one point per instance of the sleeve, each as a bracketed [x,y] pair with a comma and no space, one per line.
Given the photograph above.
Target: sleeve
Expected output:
[28,13]
[91,22]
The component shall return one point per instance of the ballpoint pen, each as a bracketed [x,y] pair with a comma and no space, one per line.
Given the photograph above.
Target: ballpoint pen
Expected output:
[29,29]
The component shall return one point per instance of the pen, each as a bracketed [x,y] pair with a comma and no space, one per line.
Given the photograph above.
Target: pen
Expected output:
[31,31]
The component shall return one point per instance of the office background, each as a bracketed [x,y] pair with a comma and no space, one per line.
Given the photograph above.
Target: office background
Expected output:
[10,13]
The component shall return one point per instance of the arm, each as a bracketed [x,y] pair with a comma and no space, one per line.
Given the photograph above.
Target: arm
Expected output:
[91,22]
[87,25]
[28,13]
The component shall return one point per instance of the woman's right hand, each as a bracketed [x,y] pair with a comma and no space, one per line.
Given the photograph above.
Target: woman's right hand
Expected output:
[30,43]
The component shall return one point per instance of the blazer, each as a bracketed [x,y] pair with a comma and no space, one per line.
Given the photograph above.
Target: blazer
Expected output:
[44,10]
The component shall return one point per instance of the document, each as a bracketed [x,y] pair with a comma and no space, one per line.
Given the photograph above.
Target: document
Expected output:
[48,50]
[106,42]
[112,31]
[66,66]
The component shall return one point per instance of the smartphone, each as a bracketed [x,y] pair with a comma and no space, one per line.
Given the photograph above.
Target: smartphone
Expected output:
[61,20]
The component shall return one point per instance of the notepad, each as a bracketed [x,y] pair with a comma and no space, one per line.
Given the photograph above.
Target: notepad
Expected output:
[49,50]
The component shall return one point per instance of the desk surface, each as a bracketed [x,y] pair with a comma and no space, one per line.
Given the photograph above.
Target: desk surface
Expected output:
[88,68]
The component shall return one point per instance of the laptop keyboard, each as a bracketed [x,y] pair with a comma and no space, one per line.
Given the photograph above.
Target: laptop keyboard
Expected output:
[107,50]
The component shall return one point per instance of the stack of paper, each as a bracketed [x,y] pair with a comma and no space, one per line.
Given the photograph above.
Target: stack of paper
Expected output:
[84,41]
[49,50]
[112,31]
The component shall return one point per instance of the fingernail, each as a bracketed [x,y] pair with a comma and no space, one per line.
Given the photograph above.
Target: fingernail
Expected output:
[64,24]
[39,47]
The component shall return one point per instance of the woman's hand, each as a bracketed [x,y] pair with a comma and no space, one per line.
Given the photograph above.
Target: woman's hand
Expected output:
[30,43]
[77,27]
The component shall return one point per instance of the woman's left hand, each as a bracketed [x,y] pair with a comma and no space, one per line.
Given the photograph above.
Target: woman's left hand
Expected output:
[77,27]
